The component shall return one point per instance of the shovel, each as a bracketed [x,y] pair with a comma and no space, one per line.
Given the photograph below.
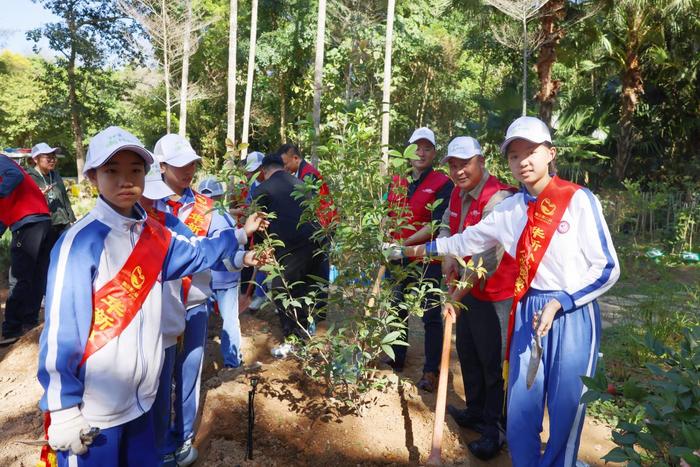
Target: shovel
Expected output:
[438,427]
[244,300]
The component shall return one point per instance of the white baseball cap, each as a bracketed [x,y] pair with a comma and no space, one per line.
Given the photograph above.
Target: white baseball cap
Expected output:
[528,128]
[175,150]
[462,147]
[253,161]
[210,187]
[42,148]
[422,133]
[110,141]
[155,186]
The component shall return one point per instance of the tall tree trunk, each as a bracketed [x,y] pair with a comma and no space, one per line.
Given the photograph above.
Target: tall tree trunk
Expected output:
[75,123]
[166,65]
[283,110]
[632,88]
[232,49]
[386,92]
[249,81]
[525,53]
[549,88]
[184,82]
[318,77]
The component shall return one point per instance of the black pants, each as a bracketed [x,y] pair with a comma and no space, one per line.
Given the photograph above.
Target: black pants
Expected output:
[29,255]
[299,265]
[432,320]
[480,341]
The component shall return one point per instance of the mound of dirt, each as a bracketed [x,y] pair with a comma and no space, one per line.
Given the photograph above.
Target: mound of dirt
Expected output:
[293,425]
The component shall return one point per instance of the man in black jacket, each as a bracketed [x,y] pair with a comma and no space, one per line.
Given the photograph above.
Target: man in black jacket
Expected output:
[297,258]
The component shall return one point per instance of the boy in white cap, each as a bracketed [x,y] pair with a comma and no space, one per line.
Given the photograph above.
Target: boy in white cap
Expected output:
[556,232]
[101,351]
[411,197]
[179,164]
[481,330]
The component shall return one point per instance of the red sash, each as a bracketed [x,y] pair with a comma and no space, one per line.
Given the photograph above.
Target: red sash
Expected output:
[200,217]
[198,222]
[543,218]
[118,301]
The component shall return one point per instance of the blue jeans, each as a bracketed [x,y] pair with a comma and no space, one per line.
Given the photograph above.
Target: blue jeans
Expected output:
[231,329]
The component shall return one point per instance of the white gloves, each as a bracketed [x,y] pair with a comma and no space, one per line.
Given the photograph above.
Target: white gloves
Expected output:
[65,431]
[393,251]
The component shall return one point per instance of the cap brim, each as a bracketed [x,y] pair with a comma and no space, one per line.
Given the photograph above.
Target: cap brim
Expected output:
[157,189]
[52,151]
[505,144]
[181,160]
[414,140]
[138,150]
[253,167]
[458,156]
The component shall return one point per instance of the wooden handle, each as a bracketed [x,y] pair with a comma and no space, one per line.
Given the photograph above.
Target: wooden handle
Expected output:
[435,451]
[375,289]
[251,284]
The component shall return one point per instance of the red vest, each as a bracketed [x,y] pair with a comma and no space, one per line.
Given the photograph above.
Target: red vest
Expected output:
[500,285]
[424,195]
[326,212]
[26,199]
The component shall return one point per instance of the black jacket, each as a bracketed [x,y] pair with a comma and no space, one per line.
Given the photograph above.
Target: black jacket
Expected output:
[274,195]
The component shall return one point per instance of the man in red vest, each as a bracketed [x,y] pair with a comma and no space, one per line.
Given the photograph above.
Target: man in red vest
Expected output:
[24,210]
[481,328]
[409,200]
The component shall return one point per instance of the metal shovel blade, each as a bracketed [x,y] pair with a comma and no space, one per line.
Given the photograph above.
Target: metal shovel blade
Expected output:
[535,359]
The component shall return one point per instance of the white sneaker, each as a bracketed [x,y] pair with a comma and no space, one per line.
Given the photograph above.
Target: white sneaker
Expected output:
[257,303]
[282,350]
[187,454]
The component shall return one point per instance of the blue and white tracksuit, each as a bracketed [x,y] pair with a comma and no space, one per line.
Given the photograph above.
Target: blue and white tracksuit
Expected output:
[580,264]
[226,289]
[190,358]
[117,384]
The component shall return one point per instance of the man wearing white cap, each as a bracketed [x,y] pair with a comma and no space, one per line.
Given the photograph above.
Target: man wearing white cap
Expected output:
[411,198]
[481,330]
[179,164]
[101,350]
[24,210]
[50,183]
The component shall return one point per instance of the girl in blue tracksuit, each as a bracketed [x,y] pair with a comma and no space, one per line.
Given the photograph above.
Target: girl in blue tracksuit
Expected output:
[179,163]
[115,387]
[578,266]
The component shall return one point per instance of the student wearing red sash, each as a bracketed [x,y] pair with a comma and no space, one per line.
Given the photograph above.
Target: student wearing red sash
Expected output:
[556,232]
[101,350]
[410,197]
[179,164]
[481,330]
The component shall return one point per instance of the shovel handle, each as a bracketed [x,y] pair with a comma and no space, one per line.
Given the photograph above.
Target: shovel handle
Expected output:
[438,427]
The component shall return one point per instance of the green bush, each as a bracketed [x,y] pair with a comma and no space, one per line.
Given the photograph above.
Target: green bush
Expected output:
[666,431]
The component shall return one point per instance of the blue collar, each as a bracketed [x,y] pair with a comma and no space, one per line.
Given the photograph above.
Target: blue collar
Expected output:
[527,197]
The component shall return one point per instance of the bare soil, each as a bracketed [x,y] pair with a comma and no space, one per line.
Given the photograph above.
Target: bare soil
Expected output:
[292,426]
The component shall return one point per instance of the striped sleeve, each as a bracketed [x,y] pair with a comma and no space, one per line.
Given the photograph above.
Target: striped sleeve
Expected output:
[596,246]
[69,290]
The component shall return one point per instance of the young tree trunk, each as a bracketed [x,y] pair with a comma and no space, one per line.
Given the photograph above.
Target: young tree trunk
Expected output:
[632,88]
[549,88]
[184,81]
[386,92]
[166,65]
[249,81]
[232,48]
[75,123]
[318,77]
